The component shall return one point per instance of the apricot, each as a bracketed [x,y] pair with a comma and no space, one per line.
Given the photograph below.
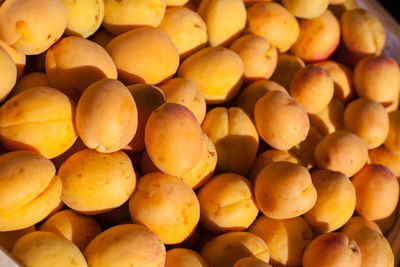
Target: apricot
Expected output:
[205,167]
[332,249]
[249,96]
[8,239]
[273,22]
[39,249]
[235,138]
[269,156]
[183,91]
[227,203]
[125,245]
[176,2]
[391,142]
[28,81]
[102,37]
[251,262]
[287,67]
[83,17]
[147,98]
[166,205]
[313,88]
[173,139]
[341,151]
[225,20]
[75,63]
[330,119]
[280,120]
[152,55]
[378,78]
[386,158]
[18,58]
[374,247]
[32,26]
[286,239]
[216,71]
[318,38]
[106,116]
[342,77]
[186,28]
[361,220]
[306,9]
[259,57]
[122,16]
[40,120]
[377,191]
[8,73]
[336,201]
[77,228]
[182,257]
[284,190]
[95,182]
[304,151]
[367,119]
[224,250]
[362,33]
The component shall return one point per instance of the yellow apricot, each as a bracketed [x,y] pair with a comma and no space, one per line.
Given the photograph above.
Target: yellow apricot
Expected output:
[386,158]
[39,249]
[313,88]
[306,9]
[332,249]
[224,250]
[18,58]
[77,228]
[273,22]
[75,63]
[40,119]
[280,120]
[319,37]
[359,219]
[152,55]
[304,151]
[102,37]
[378,78]
[235,138]
[259,57]
[186,29]
[8,73]
[287,67]
[284,190]
[227,203]
[95,182]
[341,151]
[336,201]
[286,239]
[392,143]
[183,91]
[166,205]
[182,257]
[106,116]
[377,191]
[121,16]
[32,26]
[83,17]
[216,71]
[124,245]
[367,119]
[225,20]
[374,247]
[362,33]
[251,262]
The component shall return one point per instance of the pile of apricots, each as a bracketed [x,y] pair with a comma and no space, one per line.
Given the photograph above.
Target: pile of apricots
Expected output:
[188,133]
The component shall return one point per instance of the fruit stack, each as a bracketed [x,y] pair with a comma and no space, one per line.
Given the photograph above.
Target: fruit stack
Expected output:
[219,133]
